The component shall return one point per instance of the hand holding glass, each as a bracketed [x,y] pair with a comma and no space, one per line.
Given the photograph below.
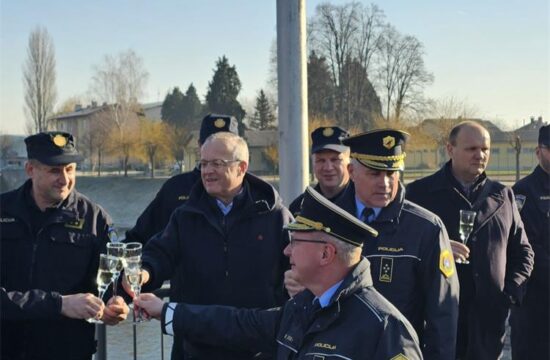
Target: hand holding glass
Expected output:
[132,272]
[105,271]
[466,226]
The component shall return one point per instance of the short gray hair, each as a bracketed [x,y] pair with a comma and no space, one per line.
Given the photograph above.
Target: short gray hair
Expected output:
[236,144]
[344,251]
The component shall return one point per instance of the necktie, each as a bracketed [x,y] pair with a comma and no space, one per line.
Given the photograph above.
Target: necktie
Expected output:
[366,214]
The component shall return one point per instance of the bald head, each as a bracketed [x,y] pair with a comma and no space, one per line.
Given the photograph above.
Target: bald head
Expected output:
[469,149]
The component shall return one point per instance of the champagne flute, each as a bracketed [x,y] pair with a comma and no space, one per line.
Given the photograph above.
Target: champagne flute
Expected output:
[107,265]
[132,271]
[116,250]
[466,226]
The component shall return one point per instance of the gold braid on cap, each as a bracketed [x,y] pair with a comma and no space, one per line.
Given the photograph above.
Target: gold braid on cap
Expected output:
[378,157]
[314,224]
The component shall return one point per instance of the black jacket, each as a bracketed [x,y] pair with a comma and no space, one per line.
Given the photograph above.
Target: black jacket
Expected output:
[531,322]
[60,259]
[231,260]
[412,267]
[173,193]
[296,204]
[358,323]
[501,258]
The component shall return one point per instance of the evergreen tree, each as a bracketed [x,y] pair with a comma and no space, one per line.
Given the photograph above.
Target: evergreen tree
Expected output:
[173,109]
[193,109]
[223,91]
[320,90]
[263,114]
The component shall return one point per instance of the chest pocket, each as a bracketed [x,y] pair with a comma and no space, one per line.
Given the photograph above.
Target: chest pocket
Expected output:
[70,255]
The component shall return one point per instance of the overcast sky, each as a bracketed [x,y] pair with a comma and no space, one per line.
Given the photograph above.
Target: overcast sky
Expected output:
[494,54]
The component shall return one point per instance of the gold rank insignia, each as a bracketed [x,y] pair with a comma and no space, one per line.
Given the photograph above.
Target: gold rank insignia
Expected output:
[328,132]
[75,224]
[60,140]
[386,269]
[388,142]
[219,123]
[446,263]
[399,357]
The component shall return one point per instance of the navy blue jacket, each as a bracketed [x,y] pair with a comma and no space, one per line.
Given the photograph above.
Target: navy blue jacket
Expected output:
[358,323]
[501,258]
[36,270]
[232,260]
[531,322]
[412,267]
[173,193]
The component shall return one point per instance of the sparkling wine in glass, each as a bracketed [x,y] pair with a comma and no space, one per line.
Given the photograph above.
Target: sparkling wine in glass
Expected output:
[133,275]
[105,272]
[116,250]
[466,226]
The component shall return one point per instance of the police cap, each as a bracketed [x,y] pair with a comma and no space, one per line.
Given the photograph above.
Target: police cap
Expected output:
[544,135]
[328,138]
[381,149]
[213,123]
[52,148]
[320,214]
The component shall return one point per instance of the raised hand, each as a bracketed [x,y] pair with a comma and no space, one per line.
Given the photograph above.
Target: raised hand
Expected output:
[151,304]
[115,311]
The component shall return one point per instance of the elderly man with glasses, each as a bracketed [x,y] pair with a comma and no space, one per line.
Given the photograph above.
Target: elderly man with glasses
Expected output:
[225,243]
[340,315]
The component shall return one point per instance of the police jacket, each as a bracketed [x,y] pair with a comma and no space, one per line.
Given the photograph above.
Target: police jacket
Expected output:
[535,214]
[173,193]
[501,258]
[530,322]
[38,267]
[231,260]
[413,267]
[296,204]
[358,323]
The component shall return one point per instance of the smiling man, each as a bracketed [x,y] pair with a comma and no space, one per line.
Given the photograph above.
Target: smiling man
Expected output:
[501,258]
[330,164]
[411,259]
[50,240]
[339,316]
[224,244]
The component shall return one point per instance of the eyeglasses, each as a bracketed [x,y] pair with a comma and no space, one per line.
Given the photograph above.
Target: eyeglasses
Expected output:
[216,163]
[292,241]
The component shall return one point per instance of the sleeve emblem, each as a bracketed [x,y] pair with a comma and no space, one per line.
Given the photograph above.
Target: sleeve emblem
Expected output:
[446,263]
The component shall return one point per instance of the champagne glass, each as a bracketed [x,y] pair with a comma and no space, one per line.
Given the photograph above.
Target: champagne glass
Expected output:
[466,226]
[132,250]
[132,271]
[105,271]
[116,250]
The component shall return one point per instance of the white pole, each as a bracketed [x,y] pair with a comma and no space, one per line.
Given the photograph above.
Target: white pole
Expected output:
[292,96]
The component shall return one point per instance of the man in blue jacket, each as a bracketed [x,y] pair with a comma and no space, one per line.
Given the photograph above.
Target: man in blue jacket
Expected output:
[531,321]
[500,256]
[50,240]
[225,244]
[339,316]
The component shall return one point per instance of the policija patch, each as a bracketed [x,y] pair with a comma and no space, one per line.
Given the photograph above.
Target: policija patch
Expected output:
[446,263]
[386,269]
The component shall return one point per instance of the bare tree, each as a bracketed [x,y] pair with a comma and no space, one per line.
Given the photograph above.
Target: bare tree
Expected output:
[402,73]
[119,82]
[39,79]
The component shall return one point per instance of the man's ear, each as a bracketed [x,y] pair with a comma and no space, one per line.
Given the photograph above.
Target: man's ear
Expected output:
[350,171]
[329,254]
[29,168]
[243,167]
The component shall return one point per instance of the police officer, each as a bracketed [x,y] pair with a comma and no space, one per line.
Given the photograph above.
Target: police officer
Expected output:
[51,237]
[500,256]
[411,259]
[175,191]
[330,164]
[530,322]
[339,316]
